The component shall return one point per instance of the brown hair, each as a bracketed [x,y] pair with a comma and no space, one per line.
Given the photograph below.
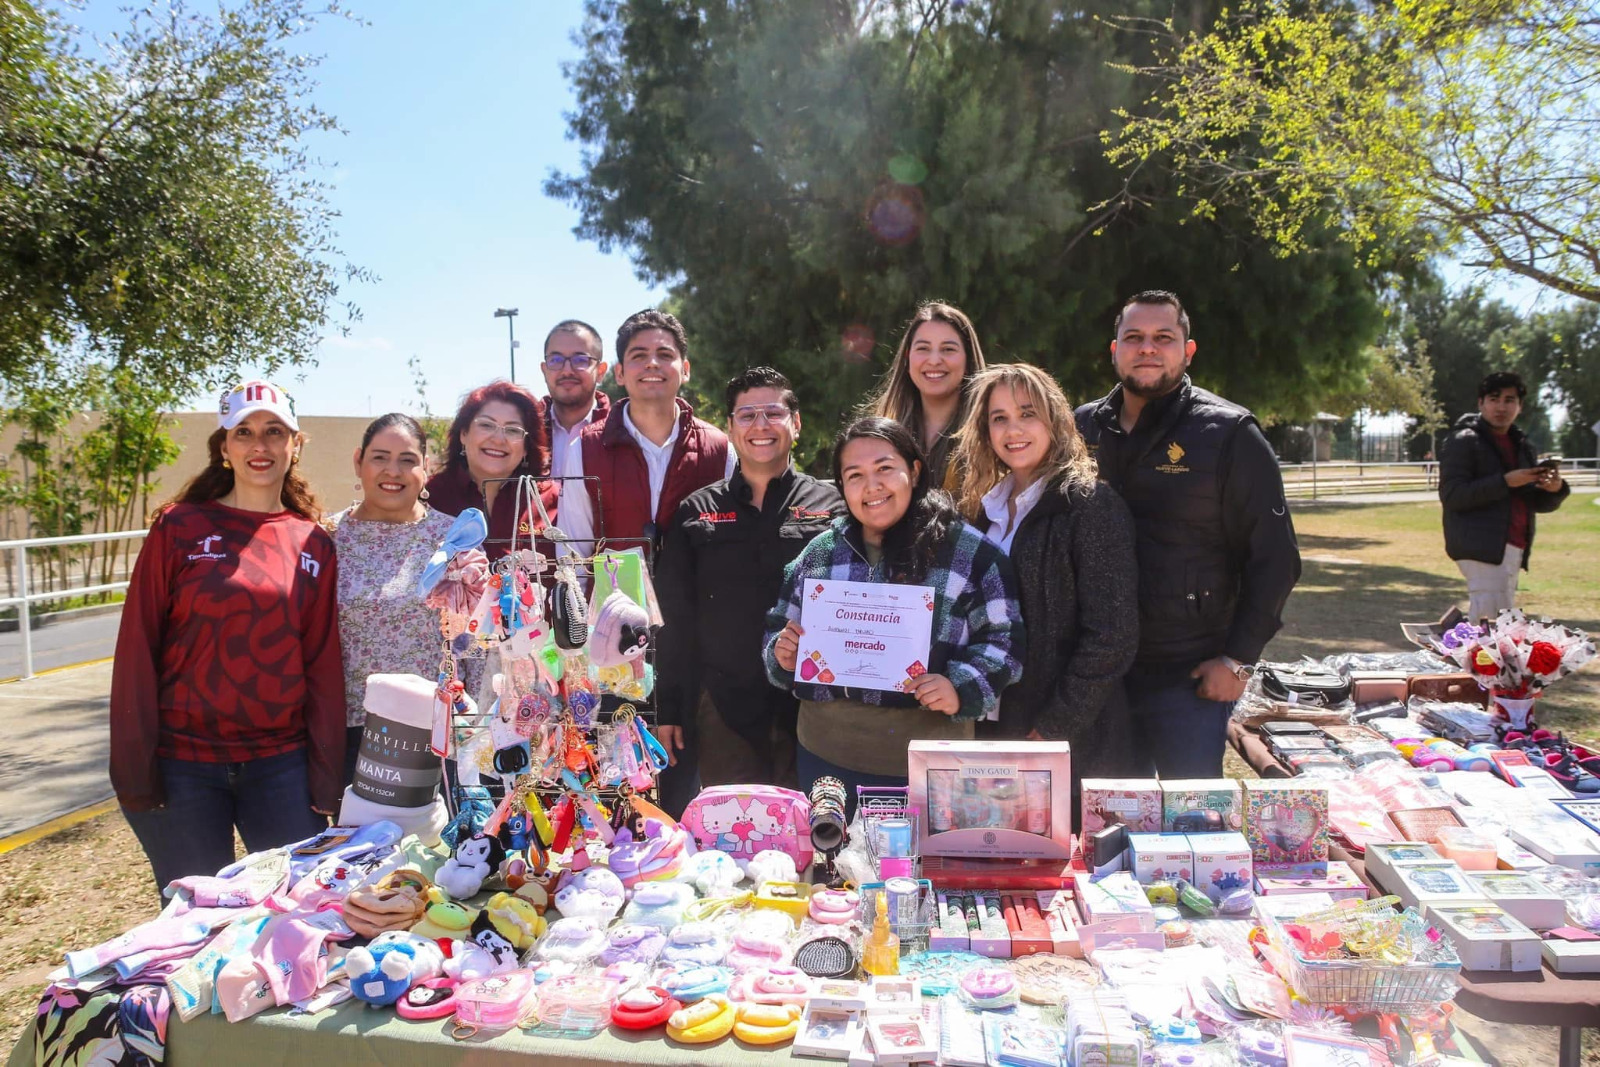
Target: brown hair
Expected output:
[897,397]
[1068,459]
[216,482]
[535,446]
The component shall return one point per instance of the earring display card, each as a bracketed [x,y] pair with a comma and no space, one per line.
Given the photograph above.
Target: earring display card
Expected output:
[902,1039]
[1382,856]
[1522,896]
[1421,885]
[1112,896]
[1132,802]
[827,1033]
[1486,938]
[1286,824]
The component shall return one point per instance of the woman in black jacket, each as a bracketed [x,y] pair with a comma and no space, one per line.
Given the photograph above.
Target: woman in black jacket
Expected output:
[1030,485]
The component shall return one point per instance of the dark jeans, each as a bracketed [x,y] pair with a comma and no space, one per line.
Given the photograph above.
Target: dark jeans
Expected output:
[812,766]
[1178,733]
[269,800]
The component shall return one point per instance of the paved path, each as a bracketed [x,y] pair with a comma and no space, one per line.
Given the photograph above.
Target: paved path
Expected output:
[62,644]
[57,745]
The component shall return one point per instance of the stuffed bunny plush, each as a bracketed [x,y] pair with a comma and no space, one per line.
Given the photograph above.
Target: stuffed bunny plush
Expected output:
[712,873]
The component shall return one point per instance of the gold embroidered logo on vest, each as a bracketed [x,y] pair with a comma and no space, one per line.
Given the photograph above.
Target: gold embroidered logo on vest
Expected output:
[1174,454]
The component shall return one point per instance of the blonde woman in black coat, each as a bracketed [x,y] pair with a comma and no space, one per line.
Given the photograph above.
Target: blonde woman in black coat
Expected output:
[1030,485]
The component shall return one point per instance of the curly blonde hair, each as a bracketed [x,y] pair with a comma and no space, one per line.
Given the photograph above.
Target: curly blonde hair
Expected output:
[1068,460]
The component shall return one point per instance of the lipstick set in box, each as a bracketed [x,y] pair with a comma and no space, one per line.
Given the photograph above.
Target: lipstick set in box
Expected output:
[1003,924]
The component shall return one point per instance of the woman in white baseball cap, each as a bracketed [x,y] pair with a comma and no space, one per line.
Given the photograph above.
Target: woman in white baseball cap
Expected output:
[227,692]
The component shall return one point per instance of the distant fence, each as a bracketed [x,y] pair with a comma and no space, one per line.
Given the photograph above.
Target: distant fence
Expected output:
[1313,481]
[20,567]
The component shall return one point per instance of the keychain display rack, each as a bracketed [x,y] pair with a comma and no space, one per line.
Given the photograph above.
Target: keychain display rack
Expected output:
[543,570]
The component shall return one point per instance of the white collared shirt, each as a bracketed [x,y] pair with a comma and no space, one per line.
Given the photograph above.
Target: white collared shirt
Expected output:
[576,514]
[1002,527]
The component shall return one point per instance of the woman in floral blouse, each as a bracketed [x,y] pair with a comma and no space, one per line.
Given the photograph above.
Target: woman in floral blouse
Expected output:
[383,540]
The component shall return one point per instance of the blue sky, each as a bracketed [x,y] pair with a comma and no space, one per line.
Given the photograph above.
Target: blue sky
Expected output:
[454,119]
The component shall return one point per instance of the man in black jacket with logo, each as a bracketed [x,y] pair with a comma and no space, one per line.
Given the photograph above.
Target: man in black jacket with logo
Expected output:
[1491,485]
[720,570]
[1216,548]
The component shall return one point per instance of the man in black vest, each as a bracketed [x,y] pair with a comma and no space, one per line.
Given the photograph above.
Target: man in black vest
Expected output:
[720,570]
[1216,548]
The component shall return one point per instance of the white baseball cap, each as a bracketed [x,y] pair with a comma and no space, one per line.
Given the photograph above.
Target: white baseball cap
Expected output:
[249,397]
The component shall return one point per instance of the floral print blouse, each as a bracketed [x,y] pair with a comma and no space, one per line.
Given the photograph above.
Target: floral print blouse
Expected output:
[382,621]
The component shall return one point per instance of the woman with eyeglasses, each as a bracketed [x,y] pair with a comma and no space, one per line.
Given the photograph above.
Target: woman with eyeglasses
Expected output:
[384,540]
[227,692]
[497,437]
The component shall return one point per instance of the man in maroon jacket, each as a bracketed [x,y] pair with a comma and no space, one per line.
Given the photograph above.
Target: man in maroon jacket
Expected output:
[574,363]
[648,455]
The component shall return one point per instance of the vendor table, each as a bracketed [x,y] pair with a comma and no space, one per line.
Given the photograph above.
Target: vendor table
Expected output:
[1541,998]
[353,1035]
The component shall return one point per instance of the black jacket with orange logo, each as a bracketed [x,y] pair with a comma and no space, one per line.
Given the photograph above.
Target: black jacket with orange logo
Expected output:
[1216,546]
[720,569]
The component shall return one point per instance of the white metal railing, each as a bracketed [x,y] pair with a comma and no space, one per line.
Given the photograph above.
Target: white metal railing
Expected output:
[23,599]
[1344,477]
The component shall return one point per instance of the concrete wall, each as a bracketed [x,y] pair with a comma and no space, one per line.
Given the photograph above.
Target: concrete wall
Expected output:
[325,460]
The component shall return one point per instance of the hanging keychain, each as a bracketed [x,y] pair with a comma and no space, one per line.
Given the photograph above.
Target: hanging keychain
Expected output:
[653,749]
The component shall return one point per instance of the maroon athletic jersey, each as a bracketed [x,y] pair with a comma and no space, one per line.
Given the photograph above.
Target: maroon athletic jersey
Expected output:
[229,650]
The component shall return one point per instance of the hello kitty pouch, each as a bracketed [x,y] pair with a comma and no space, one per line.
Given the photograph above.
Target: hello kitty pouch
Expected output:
[742,820]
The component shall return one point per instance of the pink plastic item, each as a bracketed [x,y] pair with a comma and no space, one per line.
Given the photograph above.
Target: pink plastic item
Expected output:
[742,820]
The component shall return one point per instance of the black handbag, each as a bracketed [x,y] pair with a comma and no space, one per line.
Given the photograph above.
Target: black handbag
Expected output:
[1309,684]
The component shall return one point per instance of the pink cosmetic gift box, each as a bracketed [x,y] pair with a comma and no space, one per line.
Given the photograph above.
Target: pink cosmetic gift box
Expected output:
[1132,802]
[1286,823]
[993,799]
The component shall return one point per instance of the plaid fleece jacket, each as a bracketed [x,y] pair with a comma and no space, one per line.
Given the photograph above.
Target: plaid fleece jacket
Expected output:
[977,620]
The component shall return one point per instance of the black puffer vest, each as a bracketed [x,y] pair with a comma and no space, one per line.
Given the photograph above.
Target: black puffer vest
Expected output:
[1170,473]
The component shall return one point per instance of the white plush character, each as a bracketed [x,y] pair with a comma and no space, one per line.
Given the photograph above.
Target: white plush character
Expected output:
[772,866]
[474,860]
[712,873]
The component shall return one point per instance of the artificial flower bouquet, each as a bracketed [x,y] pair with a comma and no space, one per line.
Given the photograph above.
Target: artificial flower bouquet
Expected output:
[1515,658]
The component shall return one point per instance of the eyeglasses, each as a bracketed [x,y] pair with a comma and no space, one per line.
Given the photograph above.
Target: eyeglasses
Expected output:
[578,363]
[509,432]
[748,416]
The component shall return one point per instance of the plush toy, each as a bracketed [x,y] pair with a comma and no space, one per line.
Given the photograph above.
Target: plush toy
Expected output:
[658,904]
[656,856]
[770,865]
[620,635]
[474,860]
[573,940]
[516,919]
[381,972]
[707,1020]
[591,892]
[486,953]
[712,873]
[474,807]
[446,920]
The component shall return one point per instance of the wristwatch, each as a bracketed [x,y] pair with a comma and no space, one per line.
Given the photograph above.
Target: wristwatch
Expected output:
[1241,671]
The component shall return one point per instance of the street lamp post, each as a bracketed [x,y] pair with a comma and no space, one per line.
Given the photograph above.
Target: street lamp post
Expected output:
[510,315]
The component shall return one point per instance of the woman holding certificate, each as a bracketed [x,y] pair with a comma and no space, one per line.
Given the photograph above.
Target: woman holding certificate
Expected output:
[1030,485]
[899,622]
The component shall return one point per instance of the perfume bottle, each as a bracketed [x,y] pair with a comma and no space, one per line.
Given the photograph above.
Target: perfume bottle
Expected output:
[880,954]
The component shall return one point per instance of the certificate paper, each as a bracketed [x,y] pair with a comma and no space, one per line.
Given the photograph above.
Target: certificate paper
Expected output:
[867,635]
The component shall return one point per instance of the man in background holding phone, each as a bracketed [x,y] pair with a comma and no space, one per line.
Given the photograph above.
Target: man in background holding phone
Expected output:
[1492,485]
